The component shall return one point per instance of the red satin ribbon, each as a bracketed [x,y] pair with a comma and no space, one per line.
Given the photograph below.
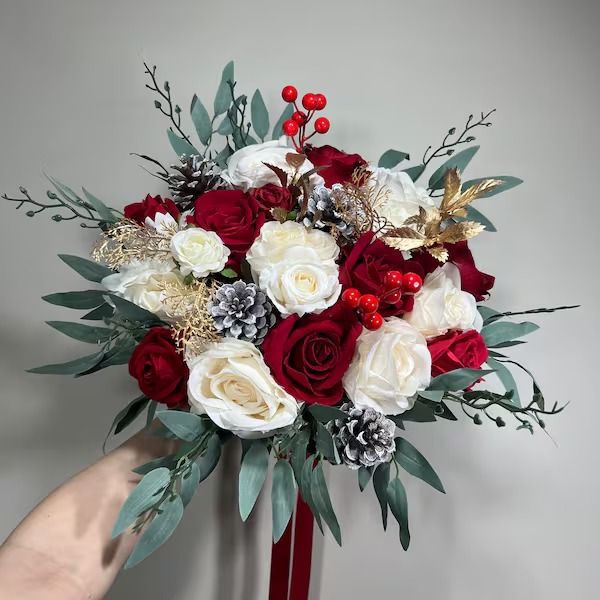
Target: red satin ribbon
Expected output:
[281,587]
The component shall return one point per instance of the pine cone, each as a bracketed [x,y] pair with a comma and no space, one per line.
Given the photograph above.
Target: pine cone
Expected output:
[193,177]
[242,311]
[365,439]
[322,211]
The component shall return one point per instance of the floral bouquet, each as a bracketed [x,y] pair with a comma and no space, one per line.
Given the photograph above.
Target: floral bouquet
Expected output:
[294,296]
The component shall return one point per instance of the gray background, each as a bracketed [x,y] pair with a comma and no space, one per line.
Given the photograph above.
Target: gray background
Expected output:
[520,518]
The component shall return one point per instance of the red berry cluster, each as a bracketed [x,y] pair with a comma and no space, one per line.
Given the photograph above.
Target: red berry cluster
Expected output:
[395,284]
[296,126]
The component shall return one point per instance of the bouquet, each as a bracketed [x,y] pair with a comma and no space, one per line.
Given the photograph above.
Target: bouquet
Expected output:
[294,297]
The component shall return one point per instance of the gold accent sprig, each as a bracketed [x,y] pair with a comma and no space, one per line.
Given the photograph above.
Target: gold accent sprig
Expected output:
[426,230]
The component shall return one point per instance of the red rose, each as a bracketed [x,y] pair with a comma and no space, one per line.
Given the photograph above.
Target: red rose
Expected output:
[159,369]
[234,216]
[148,207]
[272,196]
[309,355]
[472,280]
[457,350]
[365,266]
[339,166]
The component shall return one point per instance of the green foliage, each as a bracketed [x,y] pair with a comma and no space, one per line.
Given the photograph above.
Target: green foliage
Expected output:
[456,380]
[324,413]
[433,395]
[186,426]
[106,214]
[322,502]
[285,115]
[201,120]
[364,476]
[259,115]
[223,96]
[415,172]
[132,312]
[298,450]
[506,378]
[325,444]
[77,300]
[126,416]
[253,473]
[283,495]
[189,483]
[180,145]
[381,478]
[92,271]
[460,160]
[83,333]
[229,273]
[499,332]
[390,158]
[104,311]
[474,215]
[396,496]
[305,485]
[72,367]
[210,459]
[412,461]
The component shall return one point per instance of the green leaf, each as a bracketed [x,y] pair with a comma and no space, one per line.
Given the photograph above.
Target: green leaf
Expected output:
[145,495]
[92,271]
[433,395]
[298,449]
[324,414]
[253,473]
[151,413]
[460,160]
[283,496]
[210,459]
[474,215]
[325,444]
[506,378]
[320,495]
[381,478]
[106,214]
[202,122]
[72,367]
[159,531]
[126,416]
[223,96]
[457,380]
[390,158]
[163,461]
[189,483]
[181,146]
[229,273]
[419,413]
[508,182]
[396,495]
[186,426]
[486,312]
[287,113]
[225,127]
[364,476]
[119,354]
[83,333]
[78,300]
[415,172]
[305,488]
[223,156]
[259,115]
[412,461]
[499,332]
[98,314]
[133,312]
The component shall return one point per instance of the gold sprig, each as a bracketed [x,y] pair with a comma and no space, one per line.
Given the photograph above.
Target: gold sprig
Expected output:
[426,230]
[127,241]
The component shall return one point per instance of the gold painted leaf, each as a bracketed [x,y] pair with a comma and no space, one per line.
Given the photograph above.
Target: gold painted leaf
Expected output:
[457,232]
[439,252]
[403,243]
[451,189]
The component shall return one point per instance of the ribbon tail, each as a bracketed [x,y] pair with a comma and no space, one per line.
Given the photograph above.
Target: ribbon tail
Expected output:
[280,565]
[302,557]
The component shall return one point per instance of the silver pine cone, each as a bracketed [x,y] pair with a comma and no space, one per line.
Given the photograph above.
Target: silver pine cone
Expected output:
[242,311]
[365,438]
[194,176]
[322,211]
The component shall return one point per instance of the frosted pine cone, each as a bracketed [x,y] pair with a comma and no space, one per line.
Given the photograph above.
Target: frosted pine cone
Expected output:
[242,311]
[193,177]
[322,211]
[365,439]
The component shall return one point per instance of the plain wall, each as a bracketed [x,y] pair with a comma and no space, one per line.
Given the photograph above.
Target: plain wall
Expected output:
[520,518]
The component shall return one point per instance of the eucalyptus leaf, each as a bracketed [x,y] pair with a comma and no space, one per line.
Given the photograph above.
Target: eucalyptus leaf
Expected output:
[499,332]
[486,312]
[133,312]
[433,395]
[83,333]
[103,311]
[398,502]
[474,215]
[457,380]
[506,378]
[127,415]
[325,444]
[415,172]
[145,495]
[324,413]
[320,495]
[163,461]
[72,367]
[283,496]
[508,182]
[253,473]
[104,212]
[78,300]
[159,531]
[364,476]
[259,115]
[189,483]
[223,96]
[381,478]
[210,459]
[390,158]
[225,128]
[92,271]
[412,461]
[287,113]
[305,489]
[459,161]
[186,426]
[298,449]
[181,146]
[202,122]
[419,413]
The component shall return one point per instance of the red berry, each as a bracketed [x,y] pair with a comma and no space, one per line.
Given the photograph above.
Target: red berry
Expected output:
[289,93]
[393,297]
[299,117]
[351,297]
[392,280]
[373,321]
[322,125]
[321,101]
[290,127]
[309,101]
[412,283]
[368,303]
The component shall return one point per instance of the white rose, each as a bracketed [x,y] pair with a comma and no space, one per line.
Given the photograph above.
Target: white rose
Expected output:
[143,283]
[246,168]
[231,383]
[199,252]
[301,282]
[403,197]
[389,367]
[441,305]
[162,222]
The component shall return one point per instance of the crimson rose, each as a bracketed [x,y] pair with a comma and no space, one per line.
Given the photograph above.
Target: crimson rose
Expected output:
[457,350]
[272,196]
[339,166]
[309,355]
[148,207]
[159,369]
[234,216]
[472,280]
[365,266]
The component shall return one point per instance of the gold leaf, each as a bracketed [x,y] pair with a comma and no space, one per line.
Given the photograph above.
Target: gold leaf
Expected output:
[404,232]
[451,189]
[472,193]
[439,252]
[457,232]
[403,243]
